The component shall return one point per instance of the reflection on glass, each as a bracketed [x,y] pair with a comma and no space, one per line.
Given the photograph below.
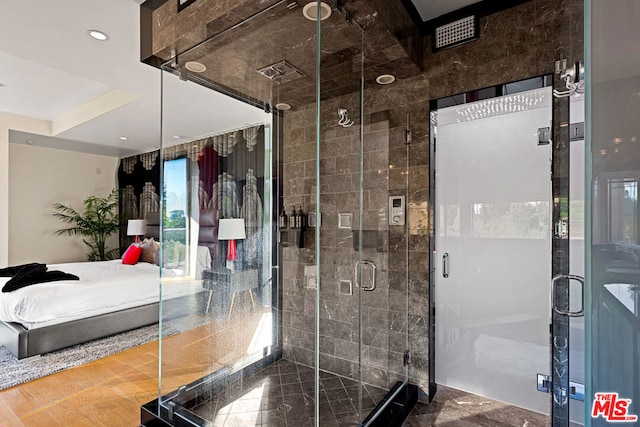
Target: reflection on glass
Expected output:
[613,172]
[624,210]
[626,294]
[513,220]
[449,224]
[175,215]
[216,235]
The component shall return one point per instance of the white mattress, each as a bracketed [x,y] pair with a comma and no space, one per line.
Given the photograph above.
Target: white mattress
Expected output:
[103,287]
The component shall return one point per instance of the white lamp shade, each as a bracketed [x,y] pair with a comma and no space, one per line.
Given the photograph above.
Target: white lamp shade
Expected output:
[137,227]
[231,229]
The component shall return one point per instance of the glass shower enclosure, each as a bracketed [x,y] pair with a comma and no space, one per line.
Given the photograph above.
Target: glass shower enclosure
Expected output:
[305,232]
[304,236]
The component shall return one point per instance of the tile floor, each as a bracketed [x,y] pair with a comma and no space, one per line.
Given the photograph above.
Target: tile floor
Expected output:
[453,408]
[282,395]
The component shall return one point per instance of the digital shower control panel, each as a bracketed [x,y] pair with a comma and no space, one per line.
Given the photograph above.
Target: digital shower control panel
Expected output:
[396,210]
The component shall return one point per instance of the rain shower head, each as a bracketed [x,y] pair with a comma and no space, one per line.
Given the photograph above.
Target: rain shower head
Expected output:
[281,71]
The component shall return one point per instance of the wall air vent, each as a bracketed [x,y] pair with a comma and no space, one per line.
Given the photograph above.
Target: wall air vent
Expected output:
[455,33]
[281,71]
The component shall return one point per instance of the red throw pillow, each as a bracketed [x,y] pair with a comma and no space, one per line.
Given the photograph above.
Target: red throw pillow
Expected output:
[131,255]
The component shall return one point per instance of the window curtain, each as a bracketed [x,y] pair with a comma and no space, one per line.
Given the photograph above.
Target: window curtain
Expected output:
[230,185]
[139,184]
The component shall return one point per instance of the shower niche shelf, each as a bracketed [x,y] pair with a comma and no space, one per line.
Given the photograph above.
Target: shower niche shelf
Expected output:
[292,237]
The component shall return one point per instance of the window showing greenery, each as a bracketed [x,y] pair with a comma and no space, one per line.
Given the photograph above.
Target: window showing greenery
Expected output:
[175,213]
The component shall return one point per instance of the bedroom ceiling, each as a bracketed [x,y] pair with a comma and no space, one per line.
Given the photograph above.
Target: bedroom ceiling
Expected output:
[92,93]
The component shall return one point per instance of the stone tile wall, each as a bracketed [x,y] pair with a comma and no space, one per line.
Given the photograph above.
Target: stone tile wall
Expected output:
[385,320]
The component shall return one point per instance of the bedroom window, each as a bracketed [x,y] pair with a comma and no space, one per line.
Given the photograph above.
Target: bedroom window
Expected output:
[176,212]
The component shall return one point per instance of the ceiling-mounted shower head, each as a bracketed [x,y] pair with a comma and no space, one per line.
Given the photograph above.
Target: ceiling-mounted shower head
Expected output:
[310,11]
[281,72]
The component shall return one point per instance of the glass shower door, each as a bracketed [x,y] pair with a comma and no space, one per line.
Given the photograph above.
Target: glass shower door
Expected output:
[363,295]
[493,239]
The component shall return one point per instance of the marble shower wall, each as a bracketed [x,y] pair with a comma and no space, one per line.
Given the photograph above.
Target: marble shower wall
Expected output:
[385,320]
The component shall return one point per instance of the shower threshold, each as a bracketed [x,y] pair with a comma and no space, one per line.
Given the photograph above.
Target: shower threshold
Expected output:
[281,394]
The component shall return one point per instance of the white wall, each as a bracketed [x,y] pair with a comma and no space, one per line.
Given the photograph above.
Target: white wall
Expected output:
[25,124]
[4,196]
[39,177]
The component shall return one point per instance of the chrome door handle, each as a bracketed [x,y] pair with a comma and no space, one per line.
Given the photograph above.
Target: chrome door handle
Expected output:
[373,277]
[567,312]
[445,265]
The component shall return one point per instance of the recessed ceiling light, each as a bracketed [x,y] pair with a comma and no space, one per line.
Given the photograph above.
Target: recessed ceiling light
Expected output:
[310,11]
[195,66]
[176,137]
[385,79]
[30,142]
[98,35]
[123,138]
[283,106]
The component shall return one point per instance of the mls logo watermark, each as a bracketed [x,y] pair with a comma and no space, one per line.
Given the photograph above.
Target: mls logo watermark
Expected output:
[612,408]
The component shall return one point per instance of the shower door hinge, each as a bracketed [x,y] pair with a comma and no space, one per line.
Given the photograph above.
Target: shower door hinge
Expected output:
[545,385]
[576,131]
[407,358]
[544,135]
[561,229]
[171,407]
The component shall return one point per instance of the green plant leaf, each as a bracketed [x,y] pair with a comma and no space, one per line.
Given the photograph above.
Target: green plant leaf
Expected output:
[99,220]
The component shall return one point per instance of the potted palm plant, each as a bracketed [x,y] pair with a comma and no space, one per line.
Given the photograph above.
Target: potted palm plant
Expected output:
[99,220]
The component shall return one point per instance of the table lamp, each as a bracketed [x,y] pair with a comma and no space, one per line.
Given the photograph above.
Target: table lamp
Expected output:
[231,229]
[137,228]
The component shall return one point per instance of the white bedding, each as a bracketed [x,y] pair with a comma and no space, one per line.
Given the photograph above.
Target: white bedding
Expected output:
[103,287]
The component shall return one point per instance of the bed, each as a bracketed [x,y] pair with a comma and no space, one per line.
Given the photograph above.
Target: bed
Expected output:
[109,298]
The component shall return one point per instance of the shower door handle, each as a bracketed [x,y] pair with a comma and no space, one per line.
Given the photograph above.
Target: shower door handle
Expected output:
[373,276]
[445,265]
[554,304]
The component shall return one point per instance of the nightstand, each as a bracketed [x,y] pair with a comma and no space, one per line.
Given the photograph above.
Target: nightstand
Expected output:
[229,282]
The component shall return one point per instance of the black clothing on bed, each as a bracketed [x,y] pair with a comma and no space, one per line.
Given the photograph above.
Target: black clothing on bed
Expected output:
[30,274]
[12,271]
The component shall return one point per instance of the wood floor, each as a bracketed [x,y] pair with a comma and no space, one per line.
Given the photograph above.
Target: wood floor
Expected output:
[110,391]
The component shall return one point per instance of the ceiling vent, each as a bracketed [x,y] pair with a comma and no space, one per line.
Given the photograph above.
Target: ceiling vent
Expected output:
[281,71]
[456,32]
